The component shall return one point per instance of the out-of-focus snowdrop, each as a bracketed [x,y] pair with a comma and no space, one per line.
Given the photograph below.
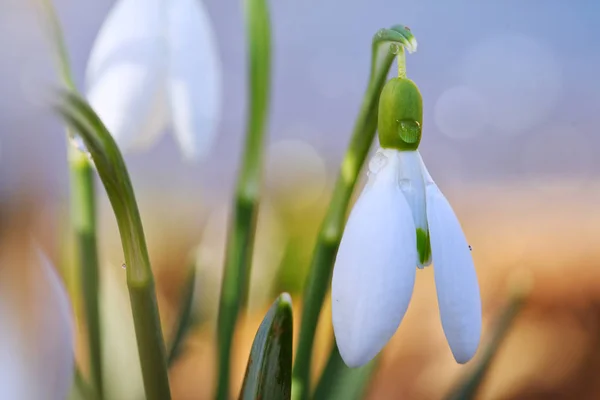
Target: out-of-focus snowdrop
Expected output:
[401,221]
[36,326]
[268,253]
[155,63]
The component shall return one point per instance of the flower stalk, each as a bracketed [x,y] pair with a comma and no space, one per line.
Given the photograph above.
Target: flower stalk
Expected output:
[83,220]
[140,280]
[387,44]
[82,213]
[240,242]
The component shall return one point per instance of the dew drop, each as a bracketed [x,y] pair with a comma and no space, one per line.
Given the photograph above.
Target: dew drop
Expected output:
[394,48]
[410,131]
[377,163]
[124,266]
[77,142]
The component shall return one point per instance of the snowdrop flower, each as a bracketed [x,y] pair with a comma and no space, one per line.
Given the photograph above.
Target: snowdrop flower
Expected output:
[36,329]
[401,221]
[154,64]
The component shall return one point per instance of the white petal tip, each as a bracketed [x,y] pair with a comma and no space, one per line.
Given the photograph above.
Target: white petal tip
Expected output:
[358,356]
[463,356]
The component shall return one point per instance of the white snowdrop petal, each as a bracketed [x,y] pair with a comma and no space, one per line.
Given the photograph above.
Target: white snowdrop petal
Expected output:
[155,124]
[194,77]
[127,69]
[455,276]
[37,343]
[374,271]
[56,330]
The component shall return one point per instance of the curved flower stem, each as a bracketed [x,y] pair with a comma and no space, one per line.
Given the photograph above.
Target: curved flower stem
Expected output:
[82,213]
[387,43]
[140,280]
[240,242]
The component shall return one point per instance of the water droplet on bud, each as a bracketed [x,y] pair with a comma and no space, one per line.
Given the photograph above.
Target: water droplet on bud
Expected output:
[394,48]
[410,131]
[123,266]
[377,163]
[77,142]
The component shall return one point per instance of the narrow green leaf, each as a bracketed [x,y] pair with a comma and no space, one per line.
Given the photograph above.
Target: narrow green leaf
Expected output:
[82,209]
[80,390]
[269,370]
[240,242]
[387,44]
[185,318]
[140,280]
[338,382]
[468,386]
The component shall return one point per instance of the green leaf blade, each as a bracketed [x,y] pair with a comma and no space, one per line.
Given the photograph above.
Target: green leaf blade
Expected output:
[269,370]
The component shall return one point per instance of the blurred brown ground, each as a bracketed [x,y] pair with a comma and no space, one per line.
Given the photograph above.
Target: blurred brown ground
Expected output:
[547,233]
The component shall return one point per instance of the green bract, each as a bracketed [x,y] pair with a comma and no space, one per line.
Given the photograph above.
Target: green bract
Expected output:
[400,115]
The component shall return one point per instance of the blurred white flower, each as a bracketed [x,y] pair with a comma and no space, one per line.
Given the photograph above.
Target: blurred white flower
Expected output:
[36,330]
[374,271]
[155,63]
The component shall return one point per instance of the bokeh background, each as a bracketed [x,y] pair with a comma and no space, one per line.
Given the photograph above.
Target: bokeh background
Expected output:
[512,99]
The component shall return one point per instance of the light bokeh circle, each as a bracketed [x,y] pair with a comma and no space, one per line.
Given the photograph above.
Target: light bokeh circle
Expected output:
[519,77]
[295,173]
[461,113]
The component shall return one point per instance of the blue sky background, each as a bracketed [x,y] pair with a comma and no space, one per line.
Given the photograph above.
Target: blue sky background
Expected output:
[511,89]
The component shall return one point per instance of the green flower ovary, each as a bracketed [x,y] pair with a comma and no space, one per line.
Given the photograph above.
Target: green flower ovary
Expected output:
[423,247]
[400,115]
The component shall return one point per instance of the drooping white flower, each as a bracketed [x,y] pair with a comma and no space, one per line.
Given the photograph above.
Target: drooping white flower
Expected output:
[155,64]
[36,329]
[401,222]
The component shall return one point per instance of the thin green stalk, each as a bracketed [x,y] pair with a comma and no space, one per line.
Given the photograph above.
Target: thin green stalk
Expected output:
[140,280]
[332,227]
[338,382]
[241,235]
[185,319]
[83,219]
[83,214]
[467,387]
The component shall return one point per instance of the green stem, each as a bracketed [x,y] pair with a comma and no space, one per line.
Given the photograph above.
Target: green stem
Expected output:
[401,63]
[83,220]
[140,280]
[338,382]
[332,227]
[469,385]
[83,214]
[241,235]
[185,318]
